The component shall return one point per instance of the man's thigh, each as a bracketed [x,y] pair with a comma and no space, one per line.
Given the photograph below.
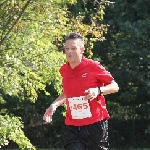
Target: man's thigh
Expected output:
[94,136]
[72,139]
[99,140]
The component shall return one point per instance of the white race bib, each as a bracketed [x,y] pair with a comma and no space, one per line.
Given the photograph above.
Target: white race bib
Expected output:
[79,107]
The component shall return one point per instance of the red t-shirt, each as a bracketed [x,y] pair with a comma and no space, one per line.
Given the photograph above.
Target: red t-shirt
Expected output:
[88,74]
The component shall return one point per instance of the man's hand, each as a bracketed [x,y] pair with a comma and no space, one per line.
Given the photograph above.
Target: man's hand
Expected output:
[49,113]
[91,93]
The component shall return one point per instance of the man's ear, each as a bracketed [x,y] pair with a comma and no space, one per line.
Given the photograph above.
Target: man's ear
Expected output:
[82,50]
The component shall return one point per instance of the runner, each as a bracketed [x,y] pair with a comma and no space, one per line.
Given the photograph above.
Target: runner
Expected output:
[85,82]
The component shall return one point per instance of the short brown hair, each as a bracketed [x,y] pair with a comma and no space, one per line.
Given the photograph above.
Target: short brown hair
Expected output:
[73,36]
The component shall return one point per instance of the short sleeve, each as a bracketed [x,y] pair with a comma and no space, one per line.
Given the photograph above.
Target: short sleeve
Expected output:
[62,69]
[102,74]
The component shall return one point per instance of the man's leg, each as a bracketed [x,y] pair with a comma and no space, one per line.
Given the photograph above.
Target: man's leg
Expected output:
[72,139]
[102,146]
[99,140]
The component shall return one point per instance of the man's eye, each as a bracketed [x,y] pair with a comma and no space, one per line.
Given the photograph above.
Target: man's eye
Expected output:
[66,48]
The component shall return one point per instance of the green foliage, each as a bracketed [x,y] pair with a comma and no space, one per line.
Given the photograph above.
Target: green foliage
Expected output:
[31,60]
[31,40]
[126,54]
[11,129]
[30,56]
[147,131]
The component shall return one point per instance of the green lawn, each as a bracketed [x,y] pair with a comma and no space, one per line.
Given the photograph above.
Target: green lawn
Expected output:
[109,149]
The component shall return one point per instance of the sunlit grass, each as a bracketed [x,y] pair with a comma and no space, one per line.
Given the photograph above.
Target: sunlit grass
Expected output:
[61,149]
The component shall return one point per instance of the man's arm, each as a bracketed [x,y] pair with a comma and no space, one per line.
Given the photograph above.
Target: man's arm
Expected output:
[92,93]
[52,108]
[110,88]
[60,100]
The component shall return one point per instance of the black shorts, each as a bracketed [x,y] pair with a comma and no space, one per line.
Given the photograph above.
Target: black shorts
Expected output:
[88,137]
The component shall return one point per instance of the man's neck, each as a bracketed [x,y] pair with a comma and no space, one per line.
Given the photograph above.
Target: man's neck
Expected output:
[75,64]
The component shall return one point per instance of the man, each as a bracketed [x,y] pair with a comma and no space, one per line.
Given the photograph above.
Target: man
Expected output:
[85,82]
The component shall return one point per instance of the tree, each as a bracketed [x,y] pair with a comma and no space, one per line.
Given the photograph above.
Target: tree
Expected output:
[31,43]
[11,128]
[126,54]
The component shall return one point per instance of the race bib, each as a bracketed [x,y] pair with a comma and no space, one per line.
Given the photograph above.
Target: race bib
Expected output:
[79,107]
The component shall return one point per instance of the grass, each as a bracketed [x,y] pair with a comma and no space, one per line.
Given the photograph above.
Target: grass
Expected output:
[61,149]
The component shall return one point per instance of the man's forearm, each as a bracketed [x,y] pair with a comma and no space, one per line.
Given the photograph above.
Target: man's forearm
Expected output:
[60,100]
[110,88]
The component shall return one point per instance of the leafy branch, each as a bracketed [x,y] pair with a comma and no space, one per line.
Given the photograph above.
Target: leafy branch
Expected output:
[16,21]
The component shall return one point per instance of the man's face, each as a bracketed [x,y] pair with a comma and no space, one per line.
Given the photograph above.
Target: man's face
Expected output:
[73,50]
